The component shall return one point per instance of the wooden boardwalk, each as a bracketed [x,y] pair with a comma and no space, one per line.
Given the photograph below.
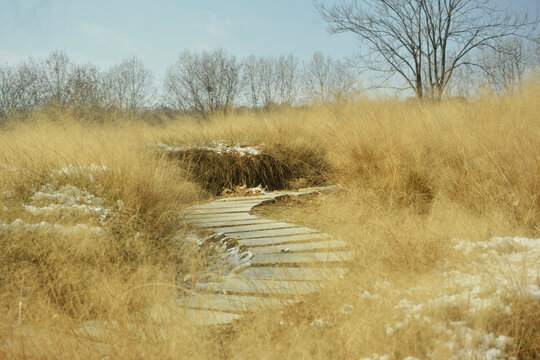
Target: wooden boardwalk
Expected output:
[289,261]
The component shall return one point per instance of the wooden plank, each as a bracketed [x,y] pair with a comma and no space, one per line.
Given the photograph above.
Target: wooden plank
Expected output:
[301,258]
[261,287]
[255,227]
[269,196]
[173,313]
[207,317]
[270,233]
[292,274]
[219,217]
[282,239]
[232,303]
[305,246]
[211,223]
[225,205]
[243,208]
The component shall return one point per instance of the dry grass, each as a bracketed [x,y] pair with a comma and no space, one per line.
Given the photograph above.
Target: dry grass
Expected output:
[277,166]
[413,178]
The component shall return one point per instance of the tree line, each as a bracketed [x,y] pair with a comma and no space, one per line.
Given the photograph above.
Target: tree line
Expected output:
[426,45]
[435,48]
[202,84]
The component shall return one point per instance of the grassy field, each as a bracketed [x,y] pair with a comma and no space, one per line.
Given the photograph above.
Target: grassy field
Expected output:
[431,197]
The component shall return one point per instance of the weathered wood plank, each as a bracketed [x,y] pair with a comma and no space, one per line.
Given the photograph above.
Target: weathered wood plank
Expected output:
[272,243]
[282,239]
[292,274]
[232,303]
[225,205]
[219,217]
[211,223]
[174,313]
[262,287]
[301,258]
[290,248]
[270,233]
[269,196]
[207,317]
[255,227]
[243,208]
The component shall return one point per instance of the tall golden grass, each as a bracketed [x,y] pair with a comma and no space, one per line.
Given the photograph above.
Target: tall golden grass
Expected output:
[412,177]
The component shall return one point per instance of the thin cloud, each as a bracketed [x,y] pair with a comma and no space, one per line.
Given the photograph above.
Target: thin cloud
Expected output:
[106,36]
[216,28]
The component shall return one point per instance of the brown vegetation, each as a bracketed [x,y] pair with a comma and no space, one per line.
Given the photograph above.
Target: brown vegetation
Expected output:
[414,179]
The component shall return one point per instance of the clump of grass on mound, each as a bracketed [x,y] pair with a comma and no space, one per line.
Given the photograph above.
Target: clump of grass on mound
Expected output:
[80,241]
[277,166]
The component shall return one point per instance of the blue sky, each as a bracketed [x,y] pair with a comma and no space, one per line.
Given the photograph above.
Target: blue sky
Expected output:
[103,32]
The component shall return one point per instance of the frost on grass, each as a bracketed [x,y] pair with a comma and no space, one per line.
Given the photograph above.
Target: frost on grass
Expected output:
[243,190]
[67,200]
[53,200]
[381,357]
[491,272]
[20,227]
[221,254]
[219,148]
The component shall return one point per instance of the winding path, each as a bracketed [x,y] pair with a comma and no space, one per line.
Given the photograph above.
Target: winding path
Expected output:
[288,261]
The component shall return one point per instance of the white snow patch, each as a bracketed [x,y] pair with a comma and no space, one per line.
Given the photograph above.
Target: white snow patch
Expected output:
[346,309]
[377,357]
[243,190]
[8,195]
[365,294]
[318,323]
[89,171]
[494,270]
[65,201]
[220,148]
[224,256]
[19,226]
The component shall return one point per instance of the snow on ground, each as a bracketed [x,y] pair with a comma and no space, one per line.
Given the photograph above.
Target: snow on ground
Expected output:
[489,272]
[19,226]
[57,202]
[224,256]
[53,200]
[243,190]
[66,200]
[220,148]
[495,270]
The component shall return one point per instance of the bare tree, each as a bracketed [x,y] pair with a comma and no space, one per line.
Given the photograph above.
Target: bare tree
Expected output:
[504,68]
[21,87]
[251,80]
[271,81]
[130,85]
[327,80]
[7,91]
[204,83]
[424,41]
[56,73]
[286,78]
[267,78]
[87,87]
